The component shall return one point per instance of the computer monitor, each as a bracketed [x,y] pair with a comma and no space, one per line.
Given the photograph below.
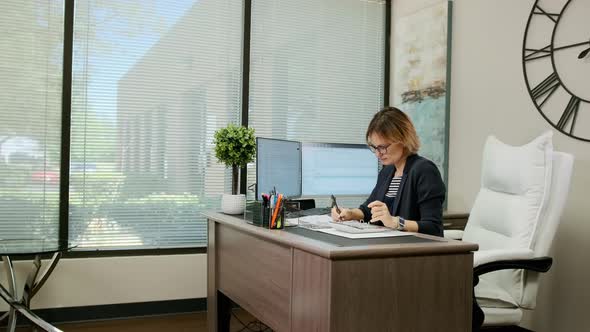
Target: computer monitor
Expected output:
[278,165]
[339,169]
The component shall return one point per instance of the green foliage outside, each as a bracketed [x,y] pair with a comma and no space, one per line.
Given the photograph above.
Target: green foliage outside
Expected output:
[95,196]
[35,213]
[33,205]
[157,208]
[235,146]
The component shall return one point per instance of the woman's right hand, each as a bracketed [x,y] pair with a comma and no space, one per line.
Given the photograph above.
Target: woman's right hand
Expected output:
[345,214]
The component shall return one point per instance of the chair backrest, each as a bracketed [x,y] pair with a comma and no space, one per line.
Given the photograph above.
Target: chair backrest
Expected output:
[561,174]
[519,205]
[562,169]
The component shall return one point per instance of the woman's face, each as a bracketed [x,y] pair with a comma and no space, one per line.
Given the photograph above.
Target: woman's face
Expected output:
[388,152]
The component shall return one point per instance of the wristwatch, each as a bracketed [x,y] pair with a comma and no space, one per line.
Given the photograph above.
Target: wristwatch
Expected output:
[401,225]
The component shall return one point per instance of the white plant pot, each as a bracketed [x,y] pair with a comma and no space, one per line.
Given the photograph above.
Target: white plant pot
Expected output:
[233,204]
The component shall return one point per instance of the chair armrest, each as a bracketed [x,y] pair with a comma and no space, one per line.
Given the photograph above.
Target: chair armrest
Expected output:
[452,221]
[487,256]
[537,264]
[495,260]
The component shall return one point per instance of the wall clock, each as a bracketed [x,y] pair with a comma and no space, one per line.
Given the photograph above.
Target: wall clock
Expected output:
[556,64]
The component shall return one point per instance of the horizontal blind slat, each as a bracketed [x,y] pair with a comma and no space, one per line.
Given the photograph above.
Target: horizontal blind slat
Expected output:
[150,89]
[31,39]
[316,69]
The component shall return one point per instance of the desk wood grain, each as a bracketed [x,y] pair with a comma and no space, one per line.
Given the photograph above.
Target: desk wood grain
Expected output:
[410,294]
[293,283]
[311,292]
[439,246]
[257,274]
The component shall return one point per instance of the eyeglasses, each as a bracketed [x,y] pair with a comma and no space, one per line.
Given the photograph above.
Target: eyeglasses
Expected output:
[381,148]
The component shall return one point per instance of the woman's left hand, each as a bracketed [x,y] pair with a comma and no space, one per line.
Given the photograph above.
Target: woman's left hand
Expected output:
[380,211]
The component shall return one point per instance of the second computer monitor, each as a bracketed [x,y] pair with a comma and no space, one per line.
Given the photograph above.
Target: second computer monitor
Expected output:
[339,169]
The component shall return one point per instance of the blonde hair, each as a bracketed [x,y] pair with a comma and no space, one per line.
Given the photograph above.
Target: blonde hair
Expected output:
[393,124]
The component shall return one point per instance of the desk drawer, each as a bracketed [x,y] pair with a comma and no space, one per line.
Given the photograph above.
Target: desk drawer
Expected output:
[256,274]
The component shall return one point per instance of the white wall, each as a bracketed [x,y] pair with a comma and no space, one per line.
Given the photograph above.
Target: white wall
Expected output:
[489,97]
[96,281]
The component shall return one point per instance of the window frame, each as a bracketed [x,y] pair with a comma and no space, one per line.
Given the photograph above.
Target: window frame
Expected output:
[66,122]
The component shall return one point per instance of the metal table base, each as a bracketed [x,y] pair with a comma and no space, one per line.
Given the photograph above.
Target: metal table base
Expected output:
[34,282]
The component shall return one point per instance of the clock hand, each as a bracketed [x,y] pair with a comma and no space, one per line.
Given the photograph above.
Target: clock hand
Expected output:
[584,53]
[571,45]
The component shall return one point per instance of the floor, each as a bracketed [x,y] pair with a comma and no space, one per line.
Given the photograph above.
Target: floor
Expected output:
[193,322]
[241,321]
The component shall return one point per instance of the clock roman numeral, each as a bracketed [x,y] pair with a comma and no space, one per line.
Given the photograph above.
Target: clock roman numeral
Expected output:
[547,87]
[570,113]
[537,53]
[539,11]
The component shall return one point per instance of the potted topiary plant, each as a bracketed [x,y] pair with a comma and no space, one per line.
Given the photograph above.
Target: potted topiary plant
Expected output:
[235,146]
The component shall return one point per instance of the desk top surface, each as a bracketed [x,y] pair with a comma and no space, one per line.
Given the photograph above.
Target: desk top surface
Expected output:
[421,245]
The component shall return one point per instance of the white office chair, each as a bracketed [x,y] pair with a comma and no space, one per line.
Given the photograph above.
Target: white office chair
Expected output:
[514,219]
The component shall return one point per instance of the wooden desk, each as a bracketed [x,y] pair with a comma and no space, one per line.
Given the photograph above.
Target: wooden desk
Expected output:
[295,283]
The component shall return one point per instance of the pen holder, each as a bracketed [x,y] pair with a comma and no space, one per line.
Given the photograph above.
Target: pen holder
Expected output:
[279,219]
[254,212]
[262,216]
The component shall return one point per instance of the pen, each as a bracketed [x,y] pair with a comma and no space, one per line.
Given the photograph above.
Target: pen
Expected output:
[276,211]
[334,204]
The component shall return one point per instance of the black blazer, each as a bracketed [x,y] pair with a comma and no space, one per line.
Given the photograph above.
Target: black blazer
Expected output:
[420,196]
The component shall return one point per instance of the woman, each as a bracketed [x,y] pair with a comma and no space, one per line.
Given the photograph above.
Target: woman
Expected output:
[409,193]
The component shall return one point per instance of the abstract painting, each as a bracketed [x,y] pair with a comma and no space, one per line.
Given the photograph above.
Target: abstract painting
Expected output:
[420,76]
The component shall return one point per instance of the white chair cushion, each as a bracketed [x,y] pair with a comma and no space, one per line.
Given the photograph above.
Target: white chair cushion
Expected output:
[516,181]
[454,234]
[515,186]
[501,316]
[490,295]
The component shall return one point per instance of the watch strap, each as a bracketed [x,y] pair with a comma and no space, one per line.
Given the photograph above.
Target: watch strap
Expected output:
[401,224]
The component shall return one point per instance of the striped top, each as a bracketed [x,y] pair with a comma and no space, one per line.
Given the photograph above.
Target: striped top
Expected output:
[394,187]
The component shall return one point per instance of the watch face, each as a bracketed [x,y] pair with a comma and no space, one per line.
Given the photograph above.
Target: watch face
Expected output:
[556,64]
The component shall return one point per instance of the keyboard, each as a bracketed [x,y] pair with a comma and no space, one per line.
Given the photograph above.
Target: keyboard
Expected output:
[357,227]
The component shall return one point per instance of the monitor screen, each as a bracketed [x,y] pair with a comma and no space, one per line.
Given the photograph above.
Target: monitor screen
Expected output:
[339,169]
[278,165]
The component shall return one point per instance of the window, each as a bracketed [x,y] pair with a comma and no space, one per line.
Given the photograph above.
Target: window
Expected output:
[316,69]
[152,81]
[31,61]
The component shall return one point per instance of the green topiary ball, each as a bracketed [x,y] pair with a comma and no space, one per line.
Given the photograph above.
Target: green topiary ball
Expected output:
[235,145]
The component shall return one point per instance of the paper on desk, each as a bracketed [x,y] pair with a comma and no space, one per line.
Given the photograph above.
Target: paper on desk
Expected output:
[291,222]
[333,231]
[315,220]
[318,219]
[324,221]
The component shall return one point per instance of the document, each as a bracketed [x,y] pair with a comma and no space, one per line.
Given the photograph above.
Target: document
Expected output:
[324,223]
[391,233]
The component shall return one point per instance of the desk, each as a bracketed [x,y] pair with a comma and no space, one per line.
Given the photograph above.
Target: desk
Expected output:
[10,248]
[295,283]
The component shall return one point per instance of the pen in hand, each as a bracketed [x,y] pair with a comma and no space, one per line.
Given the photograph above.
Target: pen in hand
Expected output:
[335,205]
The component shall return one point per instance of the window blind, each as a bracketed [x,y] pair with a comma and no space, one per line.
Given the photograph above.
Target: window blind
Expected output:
[152,81]
[316,70]
[31,61]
